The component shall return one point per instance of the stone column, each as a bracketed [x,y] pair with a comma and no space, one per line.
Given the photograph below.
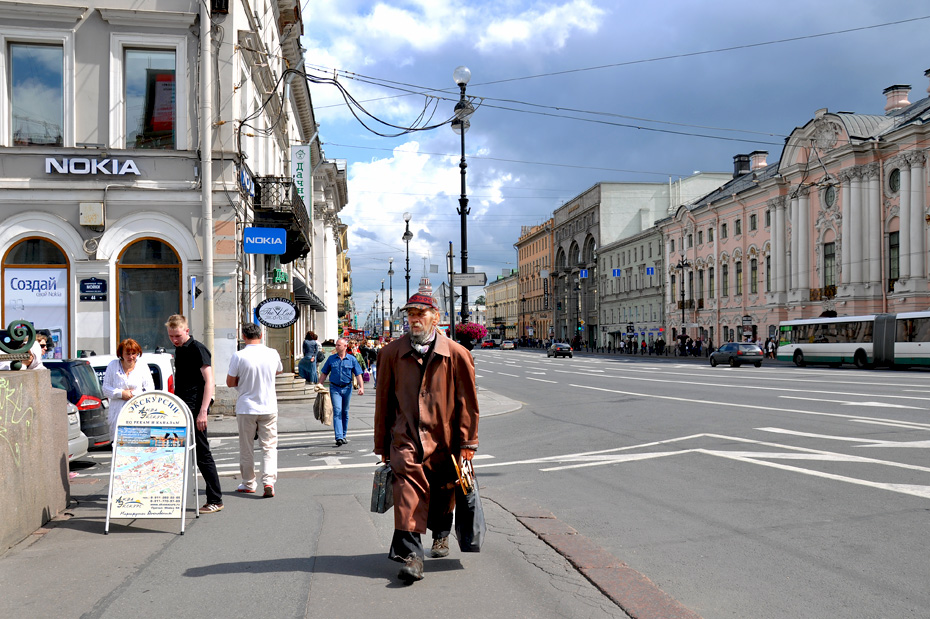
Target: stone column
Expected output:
[874,228]
[779,251]
[918,227]
[804,236]
[846,256]
[904,220]
[855,228]
[793,217]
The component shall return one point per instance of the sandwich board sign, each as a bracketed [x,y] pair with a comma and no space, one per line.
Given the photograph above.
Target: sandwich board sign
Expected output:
[153,459]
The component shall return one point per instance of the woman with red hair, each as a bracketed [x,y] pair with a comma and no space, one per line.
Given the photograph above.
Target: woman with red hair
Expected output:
[125,378]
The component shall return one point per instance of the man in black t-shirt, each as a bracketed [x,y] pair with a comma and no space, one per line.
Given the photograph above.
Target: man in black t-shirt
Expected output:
[193,383]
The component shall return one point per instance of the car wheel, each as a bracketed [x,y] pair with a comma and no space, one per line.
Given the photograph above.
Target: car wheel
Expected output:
[758,364]
[569,356]
[799,358]
[733,363]
[713,362]
[549,355]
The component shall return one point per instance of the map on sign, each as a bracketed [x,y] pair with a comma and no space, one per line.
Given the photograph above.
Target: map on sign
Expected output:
[148,472]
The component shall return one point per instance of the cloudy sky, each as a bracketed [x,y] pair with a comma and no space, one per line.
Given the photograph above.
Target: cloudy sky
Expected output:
[571,93]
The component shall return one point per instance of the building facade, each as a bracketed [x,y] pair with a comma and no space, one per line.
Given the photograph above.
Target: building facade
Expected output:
[501,302]
[632,289]
[839,224]
[132,169]
[534,260]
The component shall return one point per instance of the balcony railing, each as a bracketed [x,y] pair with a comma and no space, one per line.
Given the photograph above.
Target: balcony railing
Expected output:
[279,194]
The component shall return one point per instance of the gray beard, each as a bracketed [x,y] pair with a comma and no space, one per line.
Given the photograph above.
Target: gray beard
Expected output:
[420,339]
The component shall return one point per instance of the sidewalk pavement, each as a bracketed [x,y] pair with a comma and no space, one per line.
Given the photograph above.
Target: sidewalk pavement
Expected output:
[315,549]
[297,416]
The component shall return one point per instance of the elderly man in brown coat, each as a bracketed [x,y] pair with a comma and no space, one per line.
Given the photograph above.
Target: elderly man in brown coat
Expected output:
[426,411]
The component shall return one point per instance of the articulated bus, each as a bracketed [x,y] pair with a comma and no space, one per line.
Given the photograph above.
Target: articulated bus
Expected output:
[893,340]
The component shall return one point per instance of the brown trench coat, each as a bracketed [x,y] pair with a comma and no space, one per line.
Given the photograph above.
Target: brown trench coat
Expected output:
[419,422]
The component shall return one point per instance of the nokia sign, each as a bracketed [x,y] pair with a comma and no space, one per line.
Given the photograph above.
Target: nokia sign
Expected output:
[77,165]
[264,240]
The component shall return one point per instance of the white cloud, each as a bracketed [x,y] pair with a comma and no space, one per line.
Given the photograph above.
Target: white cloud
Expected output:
[541,30]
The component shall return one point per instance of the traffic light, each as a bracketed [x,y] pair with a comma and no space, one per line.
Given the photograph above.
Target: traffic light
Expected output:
[559,306]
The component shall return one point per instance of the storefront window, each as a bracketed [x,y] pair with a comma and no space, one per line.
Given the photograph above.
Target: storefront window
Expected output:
[149,274]
[35,288]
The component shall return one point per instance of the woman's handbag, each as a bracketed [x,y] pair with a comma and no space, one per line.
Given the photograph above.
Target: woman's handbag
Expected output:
[366,376]
[382,489]
[323,406]
[320,357]
[470,527]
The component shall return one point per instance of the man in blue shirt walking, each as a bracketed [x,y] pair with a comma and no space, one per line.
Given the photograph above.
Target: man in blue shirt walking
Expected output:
[344,369]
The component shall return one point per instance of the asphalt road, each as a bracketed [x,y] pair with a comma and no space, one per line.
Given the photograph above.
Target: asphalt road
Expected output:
[766,492]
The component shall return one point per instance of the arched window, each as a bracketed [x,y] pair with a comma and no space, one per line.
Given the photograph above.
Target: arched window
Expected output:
[149,275]
[35,288]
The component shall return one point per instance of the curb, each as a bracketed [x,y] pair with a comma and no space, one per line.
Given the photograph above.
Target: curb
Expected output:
[632,591]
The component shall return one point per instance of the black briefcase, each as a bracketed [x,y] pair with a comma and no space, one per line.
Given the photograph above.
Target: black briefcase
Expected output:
[382,489]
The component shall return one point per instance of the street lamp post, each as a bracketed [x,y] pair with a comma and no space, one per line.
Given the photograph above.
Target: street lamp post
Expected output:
[683,263]
[382,307]
[391,296]
[523,315]
[460,124]
[408,235]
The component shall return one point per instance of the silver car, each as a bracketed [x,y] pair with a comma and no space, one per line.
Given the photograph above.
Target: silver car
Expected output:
[736,354]
[77,440]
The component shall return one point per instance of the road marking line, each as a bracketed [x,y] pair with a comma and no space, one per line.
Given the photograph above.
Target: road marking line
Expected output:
[847,403]
[541,380]
[512,375]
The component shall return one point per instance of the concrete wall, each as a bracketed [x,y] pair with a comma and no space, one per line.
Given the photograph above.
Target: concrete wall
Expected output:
[34,485]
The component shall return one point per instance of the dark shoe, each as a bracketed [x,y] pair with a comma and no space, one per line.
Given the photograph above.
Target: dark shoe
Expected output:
[440,547]
[412,570]
[339,442]
[269,492]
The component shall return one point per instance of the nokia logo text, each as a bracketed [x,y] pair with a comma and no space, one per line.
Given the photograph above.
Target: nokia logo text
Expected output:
[77,165]
[267,240]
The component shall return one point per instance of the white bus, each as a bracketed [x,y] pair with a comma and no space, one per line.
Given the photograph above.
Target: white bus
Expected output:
[865,341]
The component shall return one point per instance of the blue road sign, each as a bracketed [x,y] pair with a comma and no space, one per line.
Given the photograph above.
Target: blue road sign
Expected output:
[583,273]
[618,272]
[650,270]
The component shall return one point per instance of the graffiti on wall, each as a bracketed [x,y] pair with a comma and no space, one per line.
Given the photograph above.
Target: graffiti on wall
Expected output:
[17,424]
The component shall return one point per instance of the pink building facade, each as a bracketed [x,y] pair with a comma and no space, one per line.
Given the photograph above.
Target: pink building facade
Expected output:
[839,224]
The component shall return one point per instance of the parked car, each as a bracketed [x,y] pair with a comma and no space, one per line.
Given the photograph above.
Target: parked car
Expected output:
[160,364]
[507,345]
[559,350]
[488,344]
[77,378]
[77,440]
[736,354]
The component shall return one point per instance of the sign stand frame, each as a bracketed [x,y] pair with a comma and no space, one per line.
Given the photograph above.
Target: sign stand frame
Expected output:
[189,460]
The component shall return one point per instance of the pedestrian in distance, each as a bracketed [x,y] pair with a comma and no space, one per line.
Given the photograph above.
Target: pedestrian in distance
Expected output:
[124,379]
[307,367]
[426,412]
[251,372]
[193,383]
[345,370]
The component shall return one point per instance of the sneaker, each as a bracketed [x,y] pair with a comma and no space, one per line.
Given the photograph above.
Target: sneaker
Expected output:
[269,492]
[211,508]
[412,570]
[245,488]
[440,547]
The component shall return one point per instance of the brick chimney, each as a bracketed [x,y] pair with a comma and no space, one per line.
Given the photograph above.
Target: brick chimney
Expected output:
[740,165]
[927,74]
[757,159]
[896,97]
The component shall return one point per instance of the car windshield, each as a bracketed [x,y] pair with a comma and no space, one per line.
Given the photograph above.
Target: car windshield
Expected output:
[86,380]
[749,347]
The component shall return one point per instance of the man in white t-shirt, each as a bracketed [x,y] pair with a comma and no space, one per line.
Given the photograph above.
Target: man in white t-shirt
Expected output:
[251,372]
